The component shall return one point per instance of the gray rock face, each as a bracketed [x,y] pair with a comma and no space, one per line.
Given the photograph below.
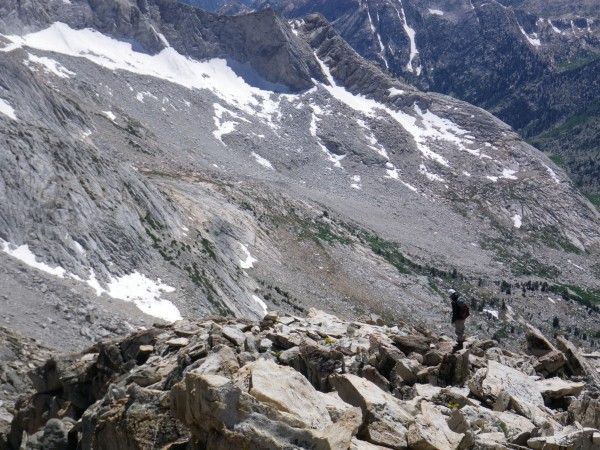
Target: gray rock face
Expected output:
[130,165]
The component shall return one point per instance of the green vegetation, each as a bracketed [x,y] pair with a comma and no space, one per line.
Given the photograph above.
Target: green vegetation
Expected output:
[388,251]
[594,200]
[278,296]
[577,63]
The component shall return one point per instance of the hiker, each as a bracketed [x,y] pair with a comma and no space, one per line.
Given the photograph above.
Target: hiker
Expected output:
[460,311]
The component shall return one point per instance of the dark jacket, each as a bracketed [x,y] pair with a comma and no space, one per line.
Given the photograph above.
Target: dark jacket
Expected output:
[455,307]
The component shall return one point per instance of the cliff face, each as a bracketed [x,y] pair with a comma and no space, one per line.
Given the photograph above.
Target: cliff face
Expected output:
[316,382]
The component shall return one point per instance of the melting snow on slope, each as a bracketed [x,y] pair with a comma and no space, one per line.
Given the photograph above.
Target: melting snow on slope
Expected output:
[135,287]
[23,254]
[374,143]
[224,126]
[262,161]
[49,65]
[556,30]
[145,294]
[517,221]
[335,159]
[214,75]
[429,175]
[429,127]
[7,110]
[250,260]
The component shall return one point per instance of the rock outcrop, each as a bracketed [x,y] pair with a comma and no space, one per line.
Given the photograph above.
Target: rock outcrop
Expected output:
[210,384]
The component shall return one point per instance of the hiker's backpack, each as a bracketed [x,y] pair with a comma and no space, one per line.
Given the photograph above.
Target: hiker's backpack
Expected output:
[463,308]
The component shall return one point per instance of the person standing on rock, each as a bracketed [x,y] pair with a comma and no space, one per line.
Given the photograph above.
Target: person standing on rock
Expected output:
[460,312]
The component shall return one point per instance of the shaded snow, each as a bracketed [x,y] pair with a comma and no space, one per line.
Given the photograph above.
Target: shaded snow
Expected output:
[532,40]
[411,36]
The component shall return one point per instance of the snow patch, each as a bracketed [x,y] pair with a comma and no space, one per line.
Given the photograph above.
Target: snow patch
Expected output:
[7,109]
[430,176]
[26,256]
[394,92]
[261,302]
[556,30]
[532,40]
[490,177]
[214,74]
[551,301]
[135,287]
[411,36]
[509,174]
[436,12]
[491,313]
[110,115]
[145,294]
[335,159]
[517,221]
[250,260]
[49,65]
[262,161]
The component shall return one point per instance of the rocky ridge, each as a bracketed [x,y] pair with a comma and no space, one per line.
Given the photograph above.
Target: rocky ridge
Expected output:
[316,382]
[530,63]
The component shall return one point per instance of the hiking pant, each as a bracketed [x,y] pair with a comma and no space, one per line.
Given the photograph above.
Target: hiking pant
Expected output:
[459,329]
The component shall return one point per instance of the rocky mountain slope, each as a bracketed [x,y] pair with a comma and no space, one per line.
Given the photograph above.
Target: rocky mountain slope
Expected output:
[159,156]
[316,382]
[532,64]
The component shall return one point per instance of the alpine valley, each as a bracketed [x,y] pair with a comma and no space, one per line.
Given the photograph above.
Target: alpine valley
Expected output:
[159,161]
